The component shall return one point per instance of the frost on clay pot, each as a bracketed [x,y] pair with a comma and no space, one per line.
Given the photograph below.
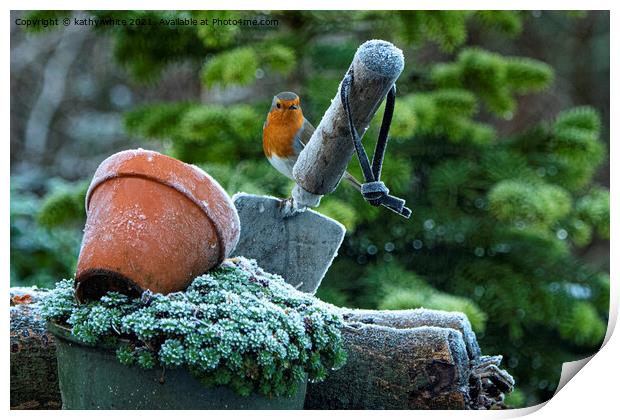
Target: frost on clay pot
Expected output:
[153,222]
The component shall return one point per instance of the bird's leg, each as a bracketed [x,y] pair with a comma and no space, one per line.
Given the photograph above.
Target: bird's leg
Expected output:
[289,207]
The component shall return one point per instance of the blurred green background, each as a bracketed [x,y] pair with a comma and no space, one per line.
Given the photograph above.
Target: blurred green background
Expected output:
[499,144]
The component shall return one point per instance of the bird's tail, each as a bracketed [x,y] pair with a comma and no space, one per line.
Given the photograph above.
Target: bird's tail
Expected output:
[353,181]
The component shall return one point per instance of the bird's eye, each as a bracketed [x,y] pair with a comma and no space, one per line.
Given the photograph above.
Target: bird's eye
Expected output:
[278,105]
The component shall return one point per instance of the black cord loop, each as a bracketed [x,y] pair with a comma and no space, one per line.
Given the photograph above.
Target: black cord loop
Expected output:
[373,190]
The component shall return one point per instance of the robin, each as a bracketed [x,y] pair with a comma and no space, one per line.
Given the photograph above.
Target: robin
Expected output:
[285,133]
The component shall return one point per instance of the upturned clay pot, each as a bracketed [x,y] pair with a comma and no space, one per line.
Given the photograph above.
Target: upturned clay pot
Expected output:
[153,222]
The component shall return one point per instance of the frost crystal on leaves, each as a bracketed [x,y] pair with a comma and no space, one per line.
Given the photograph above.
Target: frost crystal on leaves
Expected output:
[236,326]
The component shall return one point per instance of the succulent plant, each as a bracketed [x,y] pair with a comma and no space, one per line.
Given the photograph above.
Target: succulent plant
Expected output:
[237,326]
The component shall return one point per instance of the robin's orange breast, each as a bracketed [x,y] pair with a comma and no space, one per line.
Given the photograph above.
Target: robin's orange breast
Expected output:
[279,134]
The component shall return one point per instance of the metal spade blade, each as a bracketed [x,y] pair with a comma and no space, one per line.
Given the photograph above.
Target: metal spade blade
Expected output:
[299,248]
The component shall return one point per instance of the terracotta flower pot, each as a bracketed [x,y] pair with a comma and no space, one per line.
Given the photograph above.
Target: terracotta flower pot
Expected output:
[153,222]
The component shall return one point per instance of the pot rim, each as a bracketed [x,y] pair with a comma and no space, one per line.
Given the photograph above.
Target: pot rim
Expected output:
[130,286]
[64,333]
[184,178]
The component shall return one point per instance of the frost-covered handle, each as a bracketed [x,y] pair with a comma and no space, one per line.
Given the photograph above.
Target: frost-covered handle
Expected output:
[320,166]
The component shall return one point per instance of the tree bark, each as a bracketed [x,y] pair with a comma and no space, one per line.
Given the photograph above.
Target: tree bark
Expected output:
[34,376]
[388,368]
[412,359]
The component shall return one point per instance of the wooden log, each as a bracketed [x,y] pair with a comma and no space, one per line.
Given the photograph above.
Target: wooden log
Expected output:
[413,318]
[320,166]
[389,368]
[394,361]
[34,375]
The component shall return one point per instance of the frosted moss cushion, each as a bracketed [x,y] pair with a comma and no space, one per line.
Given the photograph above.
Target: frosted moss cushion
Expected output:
[237,326]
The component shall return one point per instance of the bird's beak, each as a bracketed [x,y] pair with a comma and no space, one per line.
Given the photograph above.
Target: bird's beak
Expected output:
[294,107]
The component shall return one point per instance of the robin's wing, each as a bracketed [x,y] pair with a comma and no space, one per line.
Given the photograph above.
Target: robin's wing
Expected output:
[303,136]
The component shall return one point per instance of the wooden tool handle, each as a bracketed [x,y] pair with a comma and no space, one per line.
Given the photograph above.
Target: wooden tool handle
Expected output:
[320,166]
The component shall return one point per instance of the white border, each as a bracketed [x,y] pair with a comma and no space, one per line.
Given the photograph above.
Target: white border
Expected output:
[591,394]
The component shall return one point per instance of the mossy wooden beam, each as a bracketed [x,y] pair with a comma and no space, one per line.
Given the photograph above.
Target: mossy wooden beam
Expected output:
[413,359]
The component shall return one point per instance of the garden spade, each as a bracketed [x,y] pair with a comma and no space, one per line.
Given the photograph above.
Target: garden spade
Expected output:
[286,238]
[300,248]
